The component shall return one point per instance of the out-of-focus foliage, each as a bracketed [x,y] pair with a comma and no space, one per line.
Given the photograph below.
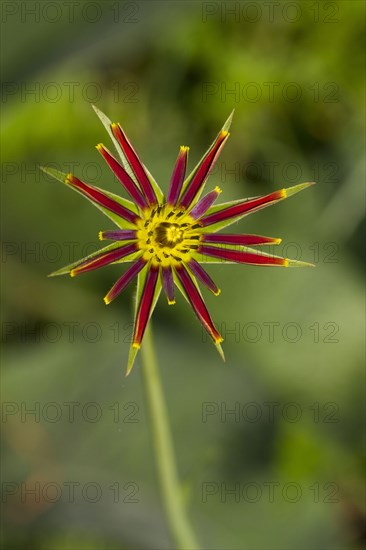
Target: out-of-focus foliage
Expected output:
[171,72]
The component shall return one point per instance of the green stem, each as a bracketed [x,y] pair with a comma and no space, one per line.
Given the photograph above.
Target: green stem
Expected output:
[163,448]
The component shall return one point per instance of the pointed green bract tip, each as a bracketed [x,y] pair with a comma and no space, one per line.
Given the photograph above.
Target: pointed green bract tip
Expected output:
[297,188]
[56,174]
[229,121]
[131,358]
[62,271]
[220,350]
[298,263]
[95,108]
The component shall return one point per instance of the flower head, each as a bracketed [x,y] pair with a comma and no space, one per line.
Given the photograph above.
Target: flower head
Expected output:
[167,238]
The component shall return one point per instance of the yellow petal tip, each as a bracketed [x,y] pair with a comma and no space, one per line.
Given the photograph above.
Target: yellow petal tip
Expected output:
[217,293]
[218,190]
[171,302]
[136,345]
[100,235]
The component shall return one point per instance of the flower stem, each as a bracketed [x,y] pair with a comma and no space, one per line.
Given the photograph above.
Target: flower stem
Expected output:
[163,447]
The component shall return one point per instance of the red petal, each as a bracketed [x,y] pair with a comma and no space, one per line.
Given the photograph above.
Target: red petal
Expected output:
[244,207]
[123,177]
[245,240]
[203,170]
[197,303]
[101,198]
[203,276]
[123,281]
[242,256]
[118,235]
[168,283]
[144,309]
[178,176]
[135,163]
[105,258]
[204,204]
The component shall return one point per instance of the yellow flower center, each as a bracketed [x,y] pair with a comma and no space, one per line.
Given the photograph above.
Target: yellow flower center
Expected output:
[167,235]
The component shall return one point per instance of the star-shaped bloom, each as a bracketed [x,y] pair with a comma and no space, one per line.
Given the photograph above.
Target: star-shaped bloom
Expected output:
[167,238]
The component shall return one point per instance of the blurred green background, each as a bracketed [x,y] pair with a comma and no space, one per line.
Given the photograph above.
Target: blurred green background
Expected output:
[284,470]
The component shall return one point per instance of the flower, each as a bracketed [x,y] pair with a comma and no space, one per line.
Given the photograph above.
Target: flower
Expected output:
[166,239]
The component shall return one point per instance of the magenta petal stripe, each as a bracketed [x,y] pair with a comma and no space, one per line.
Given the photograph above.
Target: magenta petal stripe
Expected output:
[145,304]
[100,198]
[203,276]
[178,176]
[135,163]
[104,259]
[197,303]
[168,283]
[203,170]
[118,235]
[242,257]
[204,204]
[244,240]
[123,177]
[123,281]
[244,207]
